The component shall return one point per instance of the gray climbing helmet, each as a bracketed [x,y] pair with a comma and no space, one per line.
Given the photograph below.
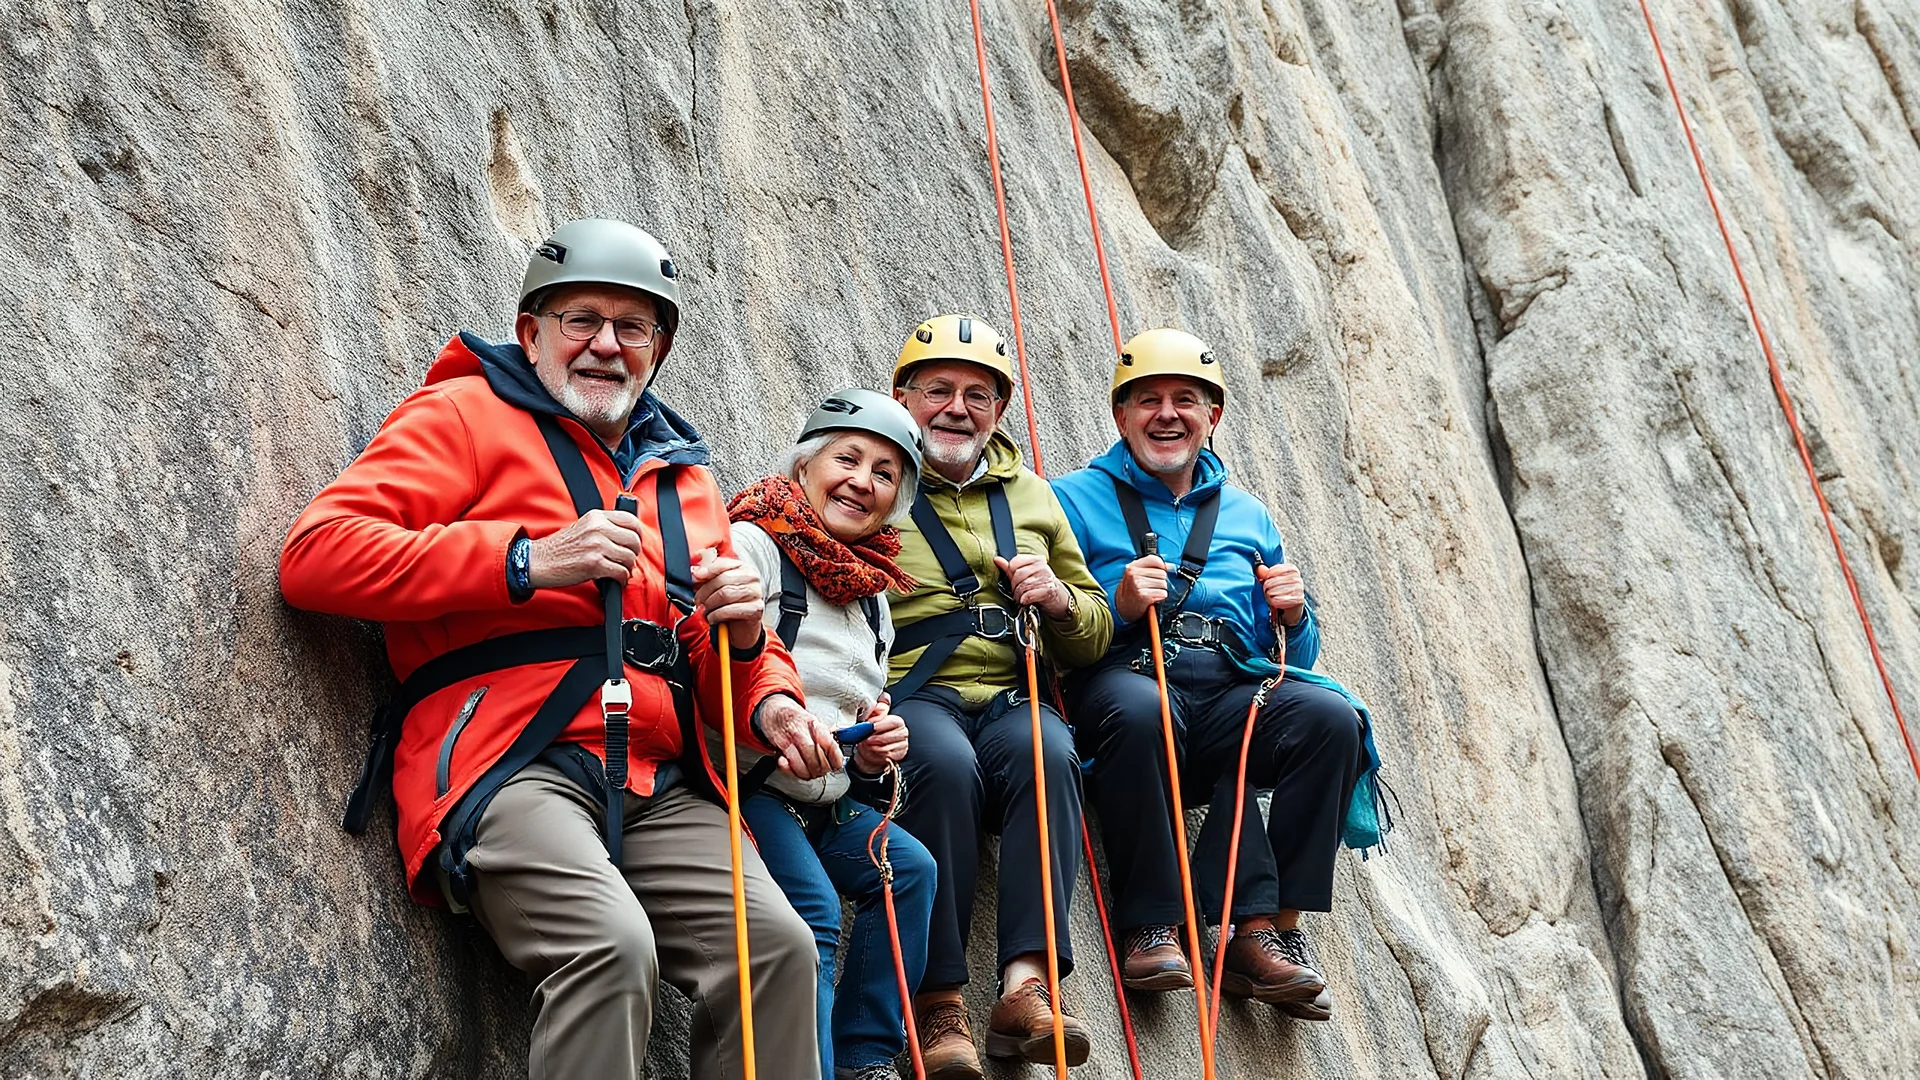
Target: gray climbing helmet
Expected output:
[596,251]
[858,409]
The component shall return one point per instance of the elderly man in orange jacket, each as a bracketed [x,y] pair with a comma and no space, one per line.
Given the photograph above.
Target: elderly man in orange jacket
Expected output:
[549,556]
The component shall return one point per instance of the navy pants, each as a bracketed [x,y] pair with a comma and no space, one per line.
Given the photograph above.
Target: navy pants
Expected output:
[1306,748]
[815,864]
[970,771]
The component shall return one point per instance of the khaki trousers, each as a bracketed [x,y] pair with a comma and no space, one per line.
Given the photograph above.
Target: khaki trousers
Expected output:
[598,941]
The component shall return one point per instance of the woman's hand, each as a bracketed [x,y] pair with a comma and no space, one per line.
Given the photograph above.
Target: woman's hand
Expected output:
[888,743]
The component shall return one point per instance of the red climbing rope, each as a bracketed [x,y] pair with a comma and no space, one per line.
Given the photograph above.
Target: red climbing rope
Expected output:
[1780,390]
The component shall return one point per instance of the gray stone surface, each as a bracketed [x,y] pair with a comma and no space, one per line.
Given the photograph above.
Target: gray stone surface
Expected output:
[1489,367]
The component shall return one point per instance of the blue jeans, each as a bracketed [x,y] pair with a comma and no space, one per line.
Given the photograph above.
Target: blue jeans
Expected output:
[863,1025]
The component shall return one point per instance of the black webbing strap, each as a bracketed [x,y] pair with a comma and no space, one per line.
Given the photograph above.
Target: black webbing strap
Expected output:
[573,464]
[1001,515]
[585,493]
[953,564]
[870,606]
[673,539]
[793,601]
[1193,556]
[943,634]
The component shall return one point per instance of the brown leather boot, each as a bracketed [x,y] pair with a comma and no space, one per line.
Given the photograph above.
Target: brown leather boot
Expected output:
[946,1044]
[1274,966]
[1154,961]
[1022,1027]
[1320,1008]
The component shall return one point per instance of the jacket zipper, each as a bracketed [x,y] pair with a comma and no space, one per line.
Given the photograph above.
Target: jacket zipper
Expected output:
[441,771]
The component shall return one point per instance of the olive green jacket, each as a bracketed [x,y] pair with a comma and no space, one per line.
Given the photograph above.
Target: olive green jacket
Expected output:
[979,669]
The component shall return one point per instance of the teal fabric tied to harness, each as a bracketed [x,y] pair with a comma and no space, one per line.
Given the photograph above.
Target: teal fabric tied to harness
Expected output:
[1368,820]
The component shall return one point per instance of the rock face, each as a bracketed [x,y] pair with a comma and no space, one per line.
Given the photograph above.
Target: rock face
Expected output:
[1488,365]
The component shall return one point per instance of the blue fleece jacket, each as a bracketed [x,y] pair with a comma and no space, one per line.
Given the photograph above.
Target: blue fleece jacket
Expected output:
[1227,587]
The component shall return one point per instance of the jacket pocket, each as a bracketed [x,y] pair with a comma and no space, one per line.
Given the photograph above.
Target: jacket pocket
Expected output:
[440,771]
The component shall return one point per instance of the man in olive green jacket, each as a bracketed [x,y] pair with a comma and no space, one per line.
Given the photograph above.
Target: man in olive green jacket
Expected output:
[987,537]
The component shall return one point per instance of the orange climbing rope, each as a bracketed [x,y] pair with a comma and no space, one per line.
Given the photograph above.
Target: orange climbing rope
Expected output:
[1086,183]
[1180,836]
[885,867]
[1030,643]
[1006,245]
[733,844]
[1780,390]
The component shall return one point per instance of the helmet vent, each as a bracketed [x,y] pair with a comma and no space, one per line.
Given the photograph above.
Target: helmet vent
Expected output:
[1000,347]
[667,269]
[840,405]
[966,330]
[552,252]
[1206,357]
[1126,358]
[924,335]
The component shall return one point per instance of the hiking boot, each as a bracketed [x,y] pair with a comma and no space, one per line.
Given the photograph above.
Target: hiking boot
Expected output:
[1274,966]
[879,1071]
[1022,1027]
[1154,961]
[1320,1008]
[946,1044]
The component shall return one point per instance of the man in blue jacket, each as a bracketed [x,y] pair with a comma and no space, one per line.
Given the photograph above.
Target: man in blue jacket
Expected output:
[1229,589]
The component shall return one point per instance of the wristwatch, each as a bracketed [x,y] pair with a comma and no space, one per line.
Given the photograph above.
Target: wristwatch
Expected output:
[520,570]
[1073,603]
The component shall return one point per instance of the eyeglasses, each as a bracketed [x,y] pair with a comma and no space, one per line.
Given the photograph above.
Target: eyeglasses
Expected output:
[939,394]
[579,324]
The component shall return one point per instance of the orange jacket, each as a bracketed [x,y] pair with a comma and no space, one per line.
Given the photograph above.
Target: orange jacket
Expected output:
[414,534]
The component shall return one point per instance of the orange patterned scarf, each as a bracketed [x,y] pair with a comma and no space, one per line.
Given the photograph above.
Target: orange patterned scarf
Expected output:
[842,572]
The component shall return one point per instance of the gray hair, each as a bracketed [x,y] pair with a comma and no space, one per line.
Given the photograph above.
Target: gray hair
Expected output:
[803,452]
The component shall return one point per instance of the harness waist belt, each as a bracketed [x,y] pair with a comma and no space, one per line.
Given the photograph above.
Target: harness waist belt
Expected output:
[1193,628]
[985,621]
[649,647]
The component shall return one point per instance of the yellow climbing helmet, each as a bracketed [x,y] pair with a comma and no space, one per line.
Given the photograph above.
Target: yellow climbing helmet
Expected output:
[956,337]
[1166,351]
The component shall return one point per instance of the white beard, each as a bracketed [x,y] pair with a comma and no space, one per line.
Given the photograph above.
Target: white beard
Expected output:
[958,455]
[600,410]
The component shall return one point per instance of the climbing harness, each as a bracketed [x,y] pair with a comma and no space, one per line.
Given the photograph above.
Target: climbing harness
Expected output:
[599,654]
[1151,544]
[940,635]
[733,848]
[1780,391]
[885,867]
[1027,632]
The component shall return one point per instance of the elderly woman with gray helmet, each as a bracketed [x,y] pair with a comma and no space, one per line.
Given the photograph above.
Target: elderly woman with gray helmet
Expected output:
[820,534]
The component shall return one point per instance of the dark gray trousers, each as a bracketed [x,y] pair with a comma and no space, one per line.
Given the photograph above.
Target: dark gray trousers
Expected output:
[1306,748]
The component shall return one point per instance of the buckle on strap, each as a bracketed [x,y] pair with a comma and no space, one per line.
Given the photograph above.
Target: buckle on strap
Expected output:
[616,698]
[992,623]
[652,648]
[1192,628]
